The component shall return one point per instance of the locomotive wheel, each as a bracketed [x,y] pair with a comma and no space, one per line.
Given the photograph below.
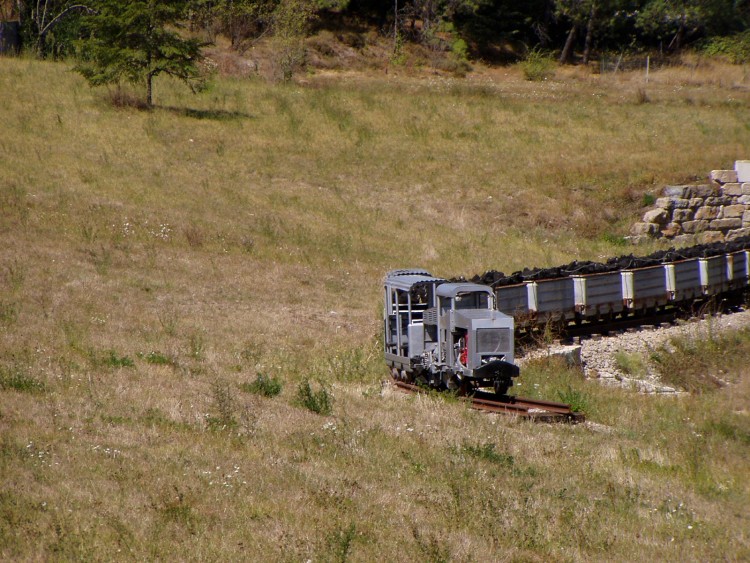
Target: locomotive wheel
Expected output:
[501,387]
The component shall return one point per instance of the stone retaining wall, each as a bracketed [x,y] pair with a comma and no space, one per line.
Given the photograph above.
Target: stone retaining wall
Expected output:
[714,212]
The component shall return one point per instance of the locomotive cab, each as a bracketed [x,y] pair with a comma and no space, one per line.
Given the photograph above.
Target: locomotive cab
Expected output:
[446,334]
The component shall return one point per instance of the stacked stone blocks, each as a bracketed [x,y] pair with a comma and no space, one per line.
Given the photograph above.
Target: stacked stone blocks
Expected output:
[715,212]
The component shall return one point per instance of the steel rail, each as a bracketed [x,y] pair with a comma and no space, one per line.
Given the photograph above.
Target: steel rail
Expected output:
[532,409]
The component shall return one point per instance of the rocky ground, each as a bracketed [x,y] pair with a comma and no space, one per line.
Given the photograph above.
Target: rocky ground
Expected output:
[596,354]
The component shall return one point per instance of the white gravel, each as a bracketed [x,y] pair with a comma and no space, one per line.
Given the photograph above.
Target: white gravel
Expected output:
[597,354]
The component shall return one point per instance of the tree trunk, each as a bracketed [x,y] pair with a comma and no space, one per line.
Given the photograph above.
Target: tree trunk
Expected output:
[589,34]
[149,90]
[567,51]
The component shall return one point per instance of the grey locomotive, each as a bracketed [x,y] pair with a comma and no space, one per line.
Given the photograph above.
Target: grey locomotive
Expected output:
[446,335]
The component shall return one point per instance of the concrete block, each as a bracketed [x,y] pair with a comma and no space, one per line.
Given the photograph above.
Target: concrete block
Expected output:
[649,229]
[734,189]
[725,224]
[672,230]
[679,203]
[664,203]
[691,227]
[732,211]
[724,176]
[711,236]
[638,239]
[719,200]
[676,191]
[702,190]
[570,354]
[680,215]
[738,233]
[708,212]
[658,216]
[684,239]
[742,169]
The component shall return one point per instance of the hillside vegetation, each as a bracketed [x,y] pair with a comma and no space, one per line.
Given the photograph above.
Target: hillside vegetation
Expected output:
[155,263]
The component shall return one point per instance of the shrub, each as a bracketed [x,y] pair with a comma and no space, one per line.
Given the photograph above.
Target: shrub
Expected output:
[263,385]
[319,401]
[735,48]
[224,407]
[631,364]
[460,49]
[577,400]
[538,66]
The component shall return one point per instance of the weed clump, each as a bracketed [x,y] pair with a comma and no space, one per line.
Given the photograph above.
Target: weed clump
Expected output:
[696,364]
[631,363]
[18,381]
[735,48]
[156,359]
[487,452]
[115,361]
[319,402]
[538,66]
[576,399]
[224,407]
[264,385]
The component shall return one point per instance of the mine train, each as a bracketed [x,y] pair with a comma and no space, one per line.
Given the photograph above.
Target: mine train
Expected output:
[459,334]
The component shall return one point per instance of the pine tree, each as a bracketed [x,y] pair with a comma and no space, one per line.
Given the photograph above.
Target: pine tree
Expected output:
[135,41]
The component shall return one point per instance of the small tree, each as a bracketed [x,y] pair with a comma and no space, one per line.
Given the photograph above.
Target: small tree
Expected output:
[291,20]
[135,41]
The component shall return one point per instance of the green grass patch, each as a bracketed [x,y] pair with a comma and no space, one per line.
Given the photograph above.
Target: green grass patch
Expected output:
[266,385]
[698,363]
[576,398]
[487,452]
[317,400]
[13,378]
[630,363]
[113,359]
[538,65]
[156,358]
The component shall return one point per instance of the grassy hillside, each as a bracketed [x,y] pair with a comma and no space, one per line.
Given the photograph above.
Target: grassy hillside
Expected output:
[154,262]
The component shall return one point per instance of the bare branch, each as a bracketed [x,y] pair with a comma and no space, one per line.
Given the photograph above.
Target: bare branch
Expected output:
[43,31]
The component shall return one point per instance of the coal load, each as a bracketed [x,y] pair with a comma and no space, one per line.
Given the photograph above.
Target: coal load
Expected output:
[495,278]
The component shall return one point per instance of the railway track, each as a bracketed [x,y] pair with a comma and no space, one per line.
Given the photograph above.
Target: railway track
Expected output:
[531,409]
[662,317]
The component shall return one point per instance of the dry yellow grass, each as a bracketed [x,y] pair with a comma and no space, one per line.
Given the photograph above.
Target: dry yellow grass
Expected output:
[153,261]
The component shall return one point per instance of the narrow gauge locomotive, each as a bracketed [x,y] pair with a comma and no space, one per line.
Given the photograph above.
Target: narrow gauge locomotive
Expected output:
[460,335]
[447,335]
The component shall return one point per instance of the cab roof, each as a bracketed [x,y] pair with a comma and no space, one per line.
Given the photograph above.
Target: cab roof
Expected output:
[453,289]
[406,279]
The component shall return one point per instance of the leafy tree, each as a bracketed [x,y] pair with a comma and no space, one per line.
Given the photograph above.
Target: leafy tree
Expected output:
[136,41]
[49,26]
[239,20]
[684,20]
[581,14]
[291,21]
